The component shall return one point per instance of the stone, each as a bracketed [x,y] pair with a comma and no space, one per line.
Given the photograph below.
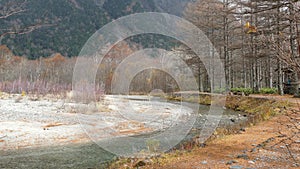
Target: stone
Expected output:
[139,164]
[251,162]
[282,135]
[204,162]
[202,145]
[277,110]
[243,156]
[231,162]
[242,129]
[236,167]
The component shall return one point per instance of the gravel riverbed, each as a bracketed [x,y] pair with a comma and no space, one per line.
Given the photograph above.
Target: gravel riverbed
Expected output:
[26,123]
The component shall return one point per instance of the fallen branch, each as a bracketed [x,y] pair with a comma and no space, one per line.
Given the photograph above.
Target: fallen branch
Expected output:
[3,137]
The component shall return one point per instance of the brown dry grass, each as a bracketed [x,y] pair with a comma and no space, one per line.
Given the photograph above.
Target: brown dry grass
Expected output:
[53,125]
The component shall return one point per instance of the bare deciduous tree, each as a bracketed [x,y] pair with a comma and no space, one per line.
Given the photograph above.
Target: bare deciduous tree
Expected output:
[11,9]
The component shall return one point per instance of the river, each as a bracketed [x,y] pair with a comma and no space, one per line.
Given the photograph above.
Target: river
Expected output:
[90,155]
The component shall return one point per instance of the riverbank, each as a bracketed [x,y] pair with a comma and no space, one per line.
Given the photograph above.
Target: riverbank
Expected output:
[269,144]
[271,140]
[257,107]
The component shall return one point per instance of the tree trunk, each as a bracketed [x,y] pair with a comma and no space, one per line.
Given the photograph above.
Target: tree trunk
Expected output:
[280,78]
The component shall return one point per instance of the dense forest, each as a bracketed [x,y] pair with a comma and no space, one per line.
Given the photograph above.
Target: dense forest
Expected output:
[258,42]
[65,25]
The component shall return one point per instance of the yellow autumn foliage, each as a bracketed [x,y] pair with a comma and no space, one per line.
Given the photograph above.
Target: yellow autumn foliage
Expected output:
[23,93]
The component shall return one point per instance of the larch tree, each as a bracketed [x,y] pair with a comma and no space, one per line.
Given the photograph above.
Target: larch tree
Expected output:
[256,39]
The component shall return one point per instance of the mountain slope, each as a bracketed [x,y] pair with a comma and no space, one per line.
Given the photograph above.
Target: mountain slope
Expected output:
[72,22]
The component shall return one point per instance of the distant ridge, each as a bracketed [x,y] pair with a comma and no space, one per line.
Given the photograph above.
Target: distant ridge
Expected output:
[74,21]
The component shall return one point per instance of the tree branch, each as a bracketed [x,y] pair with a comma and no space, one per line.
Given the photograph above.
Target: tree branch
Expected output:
[26,30]
[11,13]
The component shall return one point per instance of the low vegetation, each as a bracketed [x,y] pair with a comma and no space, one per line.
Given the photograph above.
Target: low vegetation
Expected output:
[220,90]
[261,108]
[268,91]
[247,91]
[240,91]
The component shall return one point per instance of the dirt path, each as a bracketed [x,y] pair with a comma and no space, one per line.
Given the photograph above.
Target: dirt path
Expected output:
[251,149]
[289,98]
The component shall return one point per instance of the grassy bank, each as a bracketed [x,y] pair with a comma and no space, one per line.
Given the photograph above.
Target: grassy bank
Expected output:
[261,108]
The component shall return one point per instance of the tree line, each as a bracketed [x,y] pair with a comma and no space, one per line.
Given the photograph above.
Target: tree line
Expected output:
[258,41]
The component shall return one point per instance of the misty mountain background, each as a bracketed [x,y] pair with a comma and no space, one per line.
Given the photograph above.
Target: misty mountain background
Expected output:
[71,22]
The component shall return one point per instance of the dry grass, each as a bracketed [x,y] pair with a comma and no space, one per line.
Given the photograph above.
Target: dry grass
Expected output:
[53,125]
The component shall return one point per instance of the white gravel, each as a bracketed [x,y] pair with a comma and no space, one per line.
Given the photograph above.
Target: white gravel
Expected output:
[25,123]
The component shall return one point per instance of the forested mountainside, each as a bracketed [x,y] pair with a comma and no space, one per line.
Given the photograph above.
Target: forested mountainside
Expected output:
[67,24]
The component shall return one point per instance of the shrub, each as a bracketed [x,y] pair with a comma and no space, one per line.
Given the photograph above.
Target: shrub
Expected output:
[268,91]
[220,90]
[153,145]
[23,93]
[240,90]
